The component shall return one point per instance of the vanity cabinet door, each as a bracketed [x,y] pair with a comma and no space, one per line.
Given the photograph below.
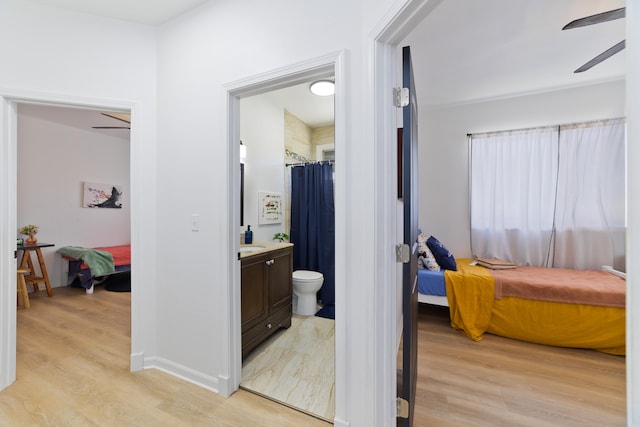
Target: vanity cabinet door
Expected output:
[280,280]
[254,292]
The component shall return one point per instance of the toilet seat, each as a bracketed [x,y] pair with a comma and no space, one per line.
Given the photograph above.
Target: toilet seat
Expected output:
[305,275]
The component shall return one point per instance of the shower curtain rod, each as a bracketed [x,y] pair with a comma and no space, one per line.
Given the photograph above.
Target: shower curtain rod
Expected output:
[308,163]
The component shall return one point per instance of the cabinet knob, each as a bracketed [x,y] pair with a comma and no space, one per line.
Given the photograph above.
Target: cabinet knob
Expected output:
[268,325]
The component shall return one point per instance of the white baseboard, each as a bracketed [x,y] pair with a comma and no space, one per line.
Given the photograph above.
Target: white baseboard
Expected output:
[194,377]
[340,423]
[136,362]
[224,386]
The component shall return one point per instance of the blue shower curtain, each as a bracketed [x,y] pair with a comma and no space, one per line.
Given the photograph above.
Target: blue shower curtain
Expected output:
[313,227]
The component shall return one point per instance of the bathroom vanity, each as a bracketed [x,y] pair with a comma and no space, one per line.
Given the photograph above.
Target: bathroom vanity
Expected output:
[266,291]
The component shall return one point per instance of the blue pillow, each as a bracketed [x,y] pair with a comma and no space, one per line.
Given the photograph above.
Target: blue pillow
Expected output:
[443,257]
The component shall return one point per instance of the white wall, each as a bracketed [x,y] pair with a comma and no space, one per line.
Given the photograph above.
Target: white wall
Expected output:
[199,54]
[443,153]
[179,159]
[262,131]
[55,157]
[72,58]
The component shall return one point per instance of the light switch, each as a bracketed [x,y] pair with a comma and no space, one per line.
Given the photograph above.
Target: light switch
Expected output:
[195,222]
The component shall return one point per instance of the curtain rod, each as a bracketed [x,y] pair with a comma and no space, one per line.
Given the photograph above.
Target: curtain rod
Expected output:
[309,163]
[565,126]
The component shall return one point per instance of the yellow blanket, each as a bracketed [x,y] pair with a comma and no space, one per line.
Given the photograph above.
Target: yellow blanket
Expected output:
[474,311]
[470,292]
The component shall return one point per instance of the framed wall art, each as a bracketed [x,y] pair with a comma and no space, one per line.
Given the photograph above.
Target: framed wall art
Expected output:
[270,205]
[97,195]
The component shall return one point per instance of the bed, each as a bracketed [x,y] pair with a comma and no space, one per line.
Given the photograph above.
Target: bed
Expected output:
[89,266]
[560,307]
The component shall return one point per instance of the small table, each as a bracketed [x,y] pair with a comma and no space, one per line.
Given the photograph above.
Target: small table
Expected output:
[26,262]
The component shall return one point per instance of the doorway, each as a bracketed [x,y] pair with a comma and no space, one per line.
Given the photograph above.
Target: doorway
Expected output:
[319,68]
[282,130]
[8,225]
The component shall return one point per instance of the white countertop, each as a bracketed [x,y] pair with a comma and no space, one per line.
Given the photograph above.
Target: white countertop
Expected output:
[262,247]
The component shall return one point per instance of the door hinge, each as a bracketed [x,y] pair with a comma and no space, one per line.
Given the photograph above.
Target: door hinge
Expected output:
[403,253]
[402,408]
[400,97]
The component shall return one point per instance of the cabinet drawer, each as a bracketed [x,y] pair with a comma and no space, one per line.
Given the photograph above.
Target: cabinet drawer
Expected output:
[281,318]
[253,336]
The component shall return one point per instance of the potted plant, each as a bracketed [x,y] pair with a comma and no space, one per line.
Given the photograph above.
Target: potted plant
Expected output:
[281,237]
[31,231]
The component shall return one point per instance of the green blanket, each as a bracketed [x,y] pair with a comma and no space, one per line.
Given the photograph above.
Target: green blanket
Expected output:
[100,262]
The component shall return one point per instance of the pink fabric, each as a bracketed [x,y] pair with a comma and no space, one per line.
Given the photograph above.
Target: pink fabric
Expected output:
[561,285]
[121,255]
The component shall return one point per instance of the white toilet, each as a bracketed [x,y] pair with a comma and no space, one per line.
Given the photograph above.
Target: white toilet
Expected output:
[306,284]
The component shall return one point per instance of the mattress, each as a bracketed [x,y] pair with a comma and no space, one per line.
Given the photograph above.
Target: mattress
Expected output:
[431,282]
[474,310]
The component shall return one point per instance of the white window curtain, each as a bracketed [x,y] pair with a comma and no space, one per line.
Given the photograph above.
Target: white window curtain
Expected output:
[590,213]
[552,197]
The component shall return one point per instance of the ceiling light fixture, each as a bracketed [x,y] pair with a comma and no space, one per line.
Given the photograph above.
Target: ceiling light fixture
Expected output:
[322,87]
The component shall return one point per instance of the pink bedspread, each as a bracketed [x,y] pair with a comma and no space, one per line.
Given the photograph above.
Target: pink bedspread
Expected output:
[561,285]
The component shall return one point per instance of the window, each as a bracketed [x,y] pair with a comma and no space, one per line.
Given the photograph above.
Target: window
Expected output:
[552,196]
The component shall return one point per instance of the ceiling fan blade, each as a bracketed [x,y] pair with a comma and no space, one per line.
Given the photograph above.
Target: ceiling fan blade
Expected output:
[596,19]
[604,55]
[110,127]
[119,116]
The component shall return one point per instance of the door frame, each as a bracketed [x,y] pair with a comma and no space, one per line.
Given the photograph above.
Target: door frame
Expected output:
[332,64]
[9,101]
[386,69]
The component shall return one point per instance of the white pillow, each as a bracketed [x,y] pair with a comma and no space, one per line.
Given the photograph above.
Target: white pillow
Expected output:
[426,258]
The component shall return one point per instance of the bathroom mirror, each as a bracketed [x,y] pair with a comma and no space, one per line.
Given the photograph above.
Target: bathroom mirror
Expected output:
[241,194]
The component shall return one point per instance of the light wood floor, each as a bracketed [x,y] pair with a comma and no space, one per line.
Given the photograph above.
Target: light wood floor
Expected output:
[73,370]
[504,382]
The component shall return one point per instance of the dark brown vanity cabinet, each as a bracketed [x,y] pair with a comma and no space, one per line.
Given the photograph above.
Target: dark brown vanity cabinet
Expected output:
[266,295]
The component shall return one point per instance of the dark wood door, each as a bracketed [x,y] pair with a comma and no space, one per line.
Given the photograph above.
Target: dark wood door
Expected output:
[280,280]
[253,293]
[407,383]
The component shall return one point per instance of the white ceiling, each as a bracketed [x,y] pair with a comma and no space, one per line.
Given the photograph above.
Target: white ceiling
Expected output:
[149,12]
[78,118]
[314,110]
[464,51]
[467,50]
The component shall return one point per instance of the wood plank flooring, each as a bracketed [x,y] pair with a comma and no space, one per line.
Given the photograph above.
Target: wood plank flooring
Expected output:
[73,370]
[504,382]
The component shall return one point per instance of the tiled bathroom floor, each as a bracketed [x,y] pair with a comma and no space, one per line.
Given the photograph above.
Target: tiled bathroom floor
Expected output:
[296,367]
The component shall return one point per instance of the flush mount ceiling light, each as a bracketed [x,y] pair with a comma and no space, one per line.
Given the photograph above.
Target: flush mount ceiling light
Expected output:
[322,88]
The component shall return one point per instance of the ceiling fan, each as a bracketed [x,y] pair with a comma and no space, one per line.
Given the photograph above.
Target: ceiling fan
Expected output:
[597,19]
[124,117]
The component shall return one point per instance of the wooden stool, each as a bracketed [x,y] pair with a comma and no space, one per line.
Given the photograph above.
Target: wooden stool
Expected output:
[26,262]
[21,287]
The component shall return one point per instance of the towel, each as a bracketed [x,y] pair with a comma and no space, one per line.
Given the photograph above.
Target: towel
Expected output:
[100,262]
